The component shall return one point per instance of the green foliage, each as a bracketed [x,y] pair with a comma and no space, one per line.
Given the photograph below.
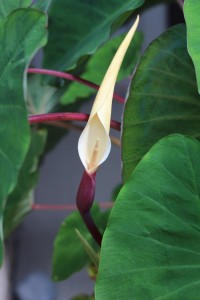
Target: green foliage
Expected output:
[19,202]
[21,34]
[191,12]
[98,64]
[151,247]
[41,98]
[69,255]
[163,98]
[76,29]
[6,7]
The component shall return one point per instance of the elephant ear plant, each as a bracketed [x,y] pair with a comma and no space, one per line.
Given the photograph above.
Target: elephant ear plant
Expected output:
[146,245]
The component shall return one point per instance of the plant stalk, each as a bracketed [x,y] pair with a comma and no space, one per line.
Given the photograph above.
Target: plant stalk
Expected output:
[72,78]
[67,116]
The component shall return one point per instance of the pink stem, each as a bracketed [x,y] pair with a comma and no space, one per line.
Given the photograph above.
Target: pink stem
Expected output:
[72,78]
[67,207]
[43,118]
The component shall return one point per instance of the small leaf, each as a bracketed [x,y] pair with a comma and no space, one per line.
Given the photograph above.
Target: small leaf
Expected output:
[151,246]
[163,98]
[191,13]
[69,256]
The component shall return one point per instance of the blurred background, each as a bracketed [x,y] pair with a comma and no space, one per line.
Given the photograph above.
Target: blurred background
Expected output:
[29,251]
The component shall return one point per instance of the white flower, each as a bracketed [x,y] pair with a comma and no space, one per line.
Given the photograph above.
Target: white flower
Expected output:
[94,144]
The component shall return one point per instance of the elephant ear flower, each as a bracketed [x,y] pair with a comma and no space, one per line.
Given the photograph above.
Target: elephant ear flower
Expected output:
[94,143]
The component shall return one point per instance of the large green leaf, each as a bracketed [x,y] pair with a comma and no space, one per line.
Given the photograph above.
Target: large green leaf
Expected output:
[98,64]
[163,98]
[69,255]
[21,34]
[151,247]
[191,13]
[19,202]
[6,7]
[78,28]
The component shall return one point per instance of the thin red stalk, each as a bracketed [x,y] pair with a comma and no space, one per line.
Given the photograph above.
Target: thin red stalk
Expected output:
[91,226]
[66,207]
[43,118]
[72,78]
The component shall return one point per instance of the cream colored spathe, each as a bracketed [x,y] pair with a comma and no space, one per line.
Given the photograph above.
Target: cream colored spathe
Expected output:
[94,144]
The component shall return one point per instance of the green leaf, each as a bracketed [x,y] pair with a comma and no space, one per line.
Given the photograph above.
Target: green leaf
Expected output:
[42,4]
[21,34]
[98,64]
[69,255]
[6,7]
[94,257]
[163,98]
[151,247]
[191,13]
[78,28]
[19,202]
[41,98]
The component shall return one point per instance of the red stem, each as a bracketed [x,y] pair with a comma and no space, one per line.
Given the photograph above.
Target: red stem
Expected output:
[66,207]
[72,78]
[91,226]
[43,118]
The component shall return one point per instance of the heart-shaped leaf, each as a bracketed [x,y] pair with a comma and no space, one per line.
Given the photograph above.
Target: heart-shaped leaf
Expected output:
[163,98]
[78,28]
[21,34]
[151,246]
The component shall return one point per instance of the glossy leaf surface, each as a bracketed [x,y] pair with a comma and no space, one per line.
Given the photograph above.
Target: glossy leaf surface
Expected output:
[78,28]
[163,98]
